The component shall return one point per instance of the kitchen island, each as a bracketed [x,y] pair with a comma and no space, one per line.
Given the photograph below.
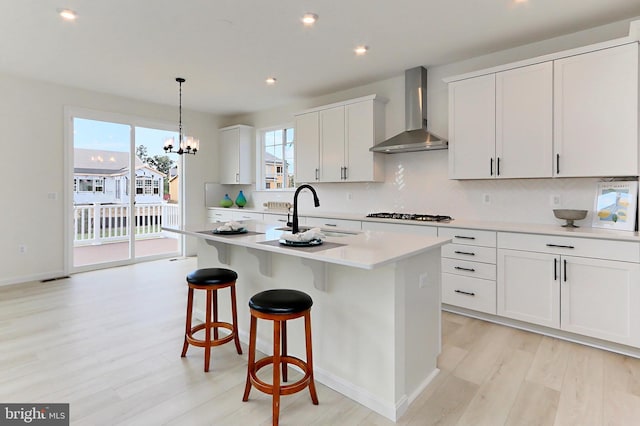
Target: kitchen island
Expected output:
[376,312]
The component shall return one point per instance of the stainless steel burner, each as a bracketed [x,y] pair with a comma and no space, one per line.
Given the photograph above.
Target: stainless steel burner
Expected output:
[412,216]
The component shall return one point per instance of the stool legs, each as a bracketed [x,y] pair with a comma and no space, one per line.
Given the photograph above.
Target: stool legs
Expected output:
[215,312]
[276,372]
[307,333]
[284,350]
[188,327]
[234,317]
[252,357]
[207,330]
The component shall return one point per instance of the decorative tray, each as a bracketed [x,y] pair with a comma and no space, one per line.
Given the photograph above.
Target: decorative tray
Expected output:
[314,242]
[237,231]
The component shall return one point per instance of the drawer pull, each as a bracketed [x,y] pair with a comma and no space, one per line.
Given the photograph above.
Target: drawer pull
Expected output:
[465,292]
[460,268]
[330,224]
[468,253]
[462,237]
[559,246]
[281,220]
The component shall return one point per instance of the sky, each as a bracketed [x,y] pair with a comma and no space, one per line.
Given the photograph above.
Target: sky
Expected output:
[92,134]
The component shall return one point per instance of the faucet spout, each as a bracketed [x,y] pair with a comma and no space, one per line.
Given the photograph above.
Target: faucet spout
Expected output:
[294,223]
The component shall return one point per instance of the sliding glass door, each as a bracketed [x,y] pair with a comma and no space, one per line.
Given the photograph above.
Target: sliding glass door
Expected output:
[125,188]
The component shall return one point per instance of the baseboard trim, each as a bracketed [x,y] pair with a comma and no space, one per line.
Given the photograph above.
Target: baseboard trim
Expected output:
[29,278]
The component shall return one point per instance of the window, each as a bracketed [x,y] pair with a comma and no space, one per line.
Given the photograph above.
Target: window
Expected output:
[139,186]
[156,187]
[147,186]
[98,185]
[85,185]
[277,165]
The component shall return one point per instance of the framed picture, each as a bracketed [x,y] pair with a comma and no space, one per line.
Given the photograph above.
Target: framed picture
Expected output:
[615,205]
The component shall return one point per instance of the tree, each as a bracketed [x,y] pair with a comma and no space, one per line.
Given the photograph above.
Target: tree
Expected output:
[161,163]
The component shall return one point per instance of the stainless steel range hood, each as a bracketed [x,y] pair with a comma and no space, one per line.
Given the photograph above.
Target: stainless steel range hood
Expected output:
[416,137]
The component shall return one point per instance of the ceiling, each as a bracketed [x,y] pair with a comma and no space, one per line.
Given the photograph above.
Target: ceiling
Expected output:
[227,48]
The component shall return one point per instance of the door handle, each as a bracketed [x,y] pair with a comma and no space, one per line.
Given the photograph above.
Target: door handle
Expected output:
[565,270]
[557,164]
[555,269]
[317,174]
[237,177]
[491,167]
[498,167]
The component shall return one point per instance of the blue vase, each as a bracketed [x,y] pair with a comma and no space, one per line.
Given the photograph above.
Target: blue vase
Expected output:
[226,201]
[241,201]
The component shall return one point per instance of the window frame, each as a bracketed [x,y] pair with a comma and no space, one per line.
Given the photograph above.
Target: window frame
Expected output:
[261,178]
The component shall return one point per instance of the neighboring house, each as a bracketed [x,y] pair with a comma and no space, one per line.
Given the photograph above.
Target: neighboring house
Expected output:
[103,177]
[172,196]
[274,171]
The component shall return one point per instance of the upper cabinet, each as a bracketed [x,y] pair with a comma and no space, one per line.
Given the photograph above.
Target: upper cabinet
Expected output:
[332,142]
[596,113]
[500,124]
[234,159]
[574,116]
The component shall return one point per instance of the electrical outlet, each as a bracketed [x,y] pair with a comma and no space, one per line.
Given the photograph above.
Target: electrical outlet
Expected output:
[349,196]
[22,249]
[52,195]
[424,280]
[555,200]
[486,199]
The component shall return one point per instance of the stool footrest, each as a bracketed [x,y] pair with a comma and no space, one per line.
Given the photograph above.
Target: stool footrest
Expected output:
[285,389]
[214,342]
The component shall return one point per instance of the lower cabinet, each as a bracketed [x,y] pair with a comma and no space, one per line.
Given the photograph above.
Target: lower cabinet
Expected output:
[469,269]
[540,284]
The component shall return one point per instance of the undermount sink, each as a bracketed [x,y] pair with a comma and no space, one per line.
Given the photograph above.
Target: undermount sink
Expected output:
[326,231]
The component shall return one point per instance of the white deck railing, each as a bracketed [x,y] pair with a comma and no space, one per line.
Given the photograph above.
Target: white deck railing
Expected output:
[98,223]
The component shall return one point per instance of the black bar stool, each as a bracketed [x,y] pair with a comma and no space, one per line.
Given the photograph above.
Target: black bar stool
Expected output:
[211,280]
[280,306]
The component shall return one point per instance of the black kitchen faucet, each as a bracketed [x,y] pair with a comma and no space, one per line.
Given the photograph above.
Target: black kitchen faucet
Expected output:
[294,223]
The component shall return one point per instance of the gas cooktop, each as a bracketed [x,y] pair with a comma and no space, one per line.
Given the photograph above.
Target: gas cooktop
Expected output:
[412,216]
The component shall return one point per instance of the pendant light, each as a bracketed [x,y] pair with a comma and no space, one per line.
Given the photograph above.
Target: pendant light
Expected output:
[186,144]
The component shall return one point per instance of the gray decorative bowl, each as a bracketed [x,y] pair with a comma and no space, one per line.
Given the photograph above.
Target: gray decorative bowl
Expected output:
[570,215]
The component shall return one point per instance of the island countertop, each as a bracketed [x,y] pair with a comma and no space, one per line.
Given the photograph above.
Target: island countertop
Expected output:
[358,249]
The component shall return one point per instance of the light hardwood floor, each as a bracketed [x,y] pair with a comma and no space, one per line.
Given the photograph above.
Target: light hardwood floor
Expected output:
[108,342]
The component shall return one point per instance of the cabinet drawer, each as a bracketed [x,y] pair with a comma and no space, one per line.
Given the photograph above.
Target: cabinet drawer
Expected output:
[485,271]
[471,237]
[471,293]
[322,222]
[280,219]
[219,215]
[625,251]
[400,228]
[470,253]
[247,216]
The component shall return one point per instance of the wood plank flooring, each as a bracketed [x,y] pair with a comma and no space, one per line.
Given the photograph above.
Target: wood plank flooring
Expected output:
[108,342]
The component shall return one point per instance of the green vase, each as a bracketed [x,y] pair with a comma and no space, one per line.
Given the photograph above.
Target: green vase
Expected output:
[241,201]
[226,201]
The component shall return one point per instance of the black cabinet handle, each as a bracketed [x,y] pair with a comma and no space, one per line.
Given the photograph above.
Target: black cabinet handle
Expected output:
[330,224]
[555,269]
[460,268]
[491,167]
[560,246]
[462,237]
[498,167]
[557,164]
[465,292]
[317,174]
[565,270]
[468,253]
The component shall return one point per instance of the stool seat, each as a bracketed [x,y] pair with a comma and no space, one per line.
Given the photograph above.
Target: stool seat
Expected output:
[211,276]
[280,301]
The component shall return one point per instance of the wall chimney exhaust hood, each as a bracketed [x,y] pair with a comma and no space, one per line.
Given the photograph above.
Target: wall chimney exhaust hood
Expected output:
[416,137]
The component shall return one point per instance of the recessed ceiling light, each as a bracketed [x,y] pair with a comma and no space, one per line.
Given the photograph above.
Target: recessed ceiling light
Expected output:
[309,19]
[361,50]
[271,81]
[67,14]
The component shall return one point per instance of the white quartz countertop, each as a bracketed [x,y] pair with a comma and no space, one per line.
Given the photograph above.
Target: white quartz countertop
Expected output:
[364,249]
[583,231]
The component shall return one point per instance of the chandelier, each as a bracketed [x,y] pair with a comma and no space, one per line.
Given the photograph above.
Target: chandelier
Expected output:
[186,144]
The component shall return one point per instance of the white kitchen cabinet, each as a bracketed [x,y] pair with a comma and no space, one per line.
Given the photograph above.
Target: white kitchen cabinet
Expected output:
[593,294]
[323,222]
[469,269]
[500,124]
[276,218]
[307,147]
[215,214]
[524,122]
[234,158]
[472,132]
[596,113]
[333,141]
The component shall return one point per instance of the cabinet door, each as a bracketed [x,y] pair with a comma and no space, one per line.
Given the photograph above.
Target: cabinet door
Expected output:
[359,161]
[332,138]
[472,118]
[527,287]
[307,151]
[524,122]
[601,298]
[596,113]
[229,160]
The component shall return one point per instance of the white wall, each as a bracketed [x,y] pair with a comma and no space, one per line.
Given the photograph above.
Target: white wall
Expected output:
[32,119]
[417,182]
